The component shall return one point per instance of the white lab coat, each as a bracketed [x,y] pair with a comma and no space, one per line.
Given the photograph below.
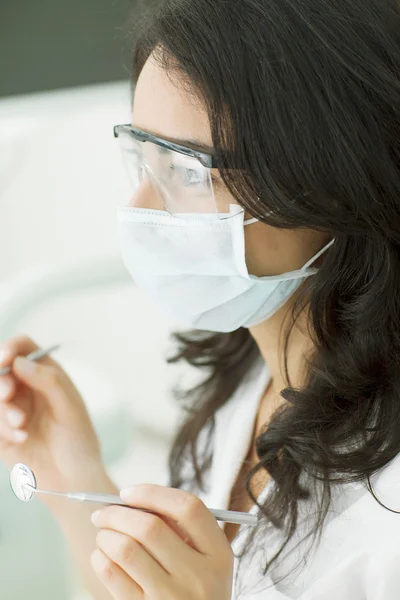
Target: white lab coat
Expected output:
[358,557]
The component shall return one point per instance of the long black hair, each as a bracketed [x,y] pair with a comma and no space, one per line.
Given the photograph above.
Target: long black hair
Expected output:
[306,96]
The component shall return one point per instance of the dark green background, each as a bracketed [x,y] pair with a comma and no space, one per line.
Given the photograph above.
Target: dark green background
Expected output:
[51,44]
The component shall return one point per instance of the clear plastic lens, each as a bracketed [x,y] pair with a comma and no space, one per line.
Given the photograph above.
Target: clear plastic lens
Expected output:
[183,183]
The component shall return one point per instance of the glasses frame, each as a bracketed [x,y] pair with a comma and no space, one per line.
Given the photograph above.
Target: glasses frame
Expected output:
[206,159]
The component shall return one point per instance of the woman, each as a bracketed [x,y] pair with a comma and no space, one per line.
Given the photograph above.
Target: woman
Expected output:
[265,154]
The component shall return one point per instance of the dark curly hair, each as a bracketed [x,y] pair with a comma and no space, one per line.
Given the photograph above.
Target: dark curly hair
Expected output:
[306,95]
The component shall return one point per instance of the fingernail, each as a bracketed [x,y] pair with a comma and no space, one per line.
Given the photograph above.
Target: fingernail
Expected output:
[4,388]
[14,417]
[5,355]
[20,436]
[95,516]
[127,493]
[98,560]
[25,365]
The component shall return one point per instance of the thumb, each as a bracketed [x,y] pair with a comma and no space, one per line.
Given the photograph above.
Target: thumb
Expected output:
[40,377]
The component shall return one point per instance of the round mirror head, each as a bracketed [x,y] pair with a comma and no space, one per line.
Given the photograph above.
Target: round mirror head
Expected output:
[20,476]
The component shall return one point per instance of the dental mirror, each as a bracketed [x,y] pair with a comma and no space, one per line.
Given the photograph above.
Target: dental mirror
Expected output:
[23,484]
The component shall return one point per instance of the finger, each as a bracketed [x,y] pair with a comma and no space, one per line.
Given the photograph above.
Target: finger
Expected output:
[163,544]
[43,376]
[118,583]
[40,377]
[18,345]
[12,407]
[187,510]
[128,554]
[13,413]
[7,388]
[6,354]
[21,345]
[15,405]
[13,416]
[54,385]
[10,436]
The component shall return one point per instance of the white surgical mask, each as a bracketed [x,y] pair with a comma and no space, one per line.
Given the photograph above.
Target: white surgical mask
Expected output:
[194,267]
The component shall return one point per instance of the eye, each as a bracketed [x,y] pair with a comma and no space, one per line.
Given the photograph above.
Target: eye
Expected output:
[190,177]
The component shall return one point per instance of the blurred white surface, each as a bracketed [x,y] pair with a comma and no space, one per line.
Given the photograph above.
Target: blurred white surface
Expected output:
[61,179]
[61,175]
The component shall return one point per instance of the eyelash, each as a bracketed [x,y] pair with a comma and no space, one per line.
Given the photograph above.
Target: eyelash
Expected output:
[214,180]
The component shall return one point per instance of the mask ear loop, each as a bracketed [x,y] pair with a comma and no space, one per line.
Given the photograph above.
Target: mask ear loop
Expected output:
[250,221]
[314,258]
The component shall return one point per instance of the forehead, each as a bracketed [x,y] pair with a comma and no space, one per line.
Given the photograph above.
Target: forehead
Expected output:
[162,106]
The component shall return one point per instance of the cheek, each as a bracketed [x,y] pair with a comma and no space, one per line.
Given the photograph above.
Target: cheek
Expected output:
[147,196]
[223,198]
[273,251]
[262,250]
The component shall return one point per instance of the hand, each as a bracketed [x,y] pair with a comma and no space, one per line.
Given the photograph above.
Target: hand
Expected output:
[181,553]
[51,432]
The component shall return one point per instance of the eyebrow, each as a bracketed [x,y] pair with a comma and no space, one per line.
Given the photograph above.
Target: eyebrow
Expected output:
[193,143]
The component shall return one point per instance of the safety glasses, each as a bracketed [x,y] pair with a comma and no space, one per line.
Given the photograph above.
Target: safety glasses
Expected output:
[181,177]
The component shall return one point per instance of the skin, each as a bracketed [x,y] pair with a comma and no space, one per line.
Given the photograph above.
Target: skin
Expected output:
[179,551]
[162,107]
